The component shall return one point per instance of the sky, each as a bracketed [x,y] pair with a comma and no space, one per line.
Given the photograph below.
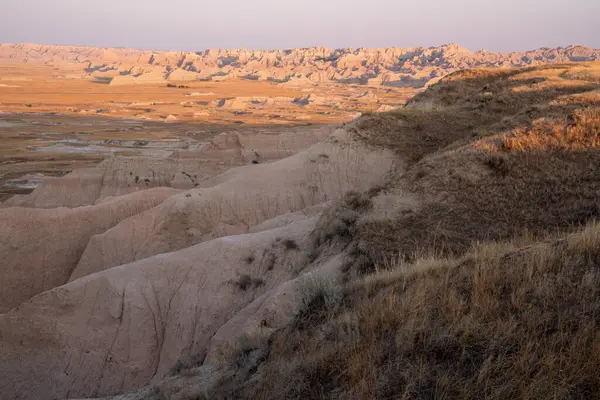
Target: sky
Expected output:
[192,25]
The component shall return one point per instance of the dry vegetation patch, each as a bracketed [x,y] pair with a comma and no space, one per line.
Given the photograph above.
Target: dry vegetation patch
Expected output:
[579,132]
[472,104]
[499,322]
[527,164]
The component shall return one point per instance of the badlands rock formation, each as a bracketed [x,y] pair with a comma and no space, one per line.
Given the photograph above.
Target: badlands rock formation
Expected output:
[92,307]
[40,248]
[183,169]
[238,200]
[123,328]
[400,67]
[118,277]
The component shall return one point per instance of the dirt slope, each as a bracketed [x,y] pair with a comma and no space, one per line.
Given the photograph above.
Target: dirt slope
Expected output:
[241,198]
[127,326]
[41,248]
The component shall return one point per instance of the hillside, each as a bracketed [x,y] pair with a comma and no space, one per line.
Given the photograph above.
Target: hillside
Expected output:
[446,249]
[469,276]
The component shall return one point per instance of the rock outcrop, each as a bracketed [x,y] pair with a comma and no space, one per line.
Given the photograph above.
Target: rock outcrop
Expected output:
[41,248]
[183,169]
[400,67]
[235,201]
[106,296]
[126,327]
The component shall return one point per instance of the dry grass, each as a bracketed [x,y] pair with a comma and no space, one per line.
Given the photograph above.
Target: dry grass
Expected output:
[245,282]
[500,322]
[586,73]
[427,310]
[554,135]
[489,196]
[521,168]
[471,104]
[414,133]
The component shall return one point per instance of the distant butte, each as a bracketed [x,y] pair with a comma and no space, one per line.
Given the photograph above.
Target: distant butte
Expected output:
[399,67]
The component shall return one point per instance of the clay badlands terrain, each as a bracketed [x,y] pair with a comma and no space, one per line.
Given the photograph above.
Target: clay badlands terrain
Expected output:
[309,223]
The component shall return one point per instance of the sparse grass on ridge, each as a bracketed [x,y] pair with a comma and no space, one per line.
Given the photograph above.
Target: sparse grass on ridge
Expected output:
[521,167]
[499,322]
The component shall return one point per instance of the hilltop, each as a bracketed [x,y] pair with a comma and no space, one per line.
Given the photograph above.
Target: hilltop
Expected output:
[447,248]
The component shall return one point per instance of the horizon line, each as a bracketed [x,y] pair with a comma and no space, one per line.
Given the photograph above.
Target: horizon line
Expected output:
[295,48]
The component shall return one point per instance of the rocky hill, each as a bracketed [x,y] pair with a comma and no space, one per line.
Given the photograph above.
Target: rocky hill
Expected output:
[445,249]
[400,67]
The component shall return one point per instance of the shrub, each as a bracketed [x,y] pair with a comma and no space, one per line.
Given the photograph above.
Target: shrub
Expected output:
[319,297]
[249,350]
[357,201]
[190,362]
[290,244]
[245,282]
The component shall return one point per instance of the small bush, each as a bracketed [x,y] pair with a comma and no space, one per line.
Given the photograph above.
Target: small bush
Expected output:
[249,350]
[256,282]
[290,244]
[497,163]
[359,261]
[339,224]
[319,298]
[245,282]
[269,259]
[185,364]
[357,201]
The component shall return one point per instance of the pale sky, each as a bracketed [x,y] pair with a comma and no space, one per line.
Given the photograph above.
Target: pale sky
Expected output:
[497,25]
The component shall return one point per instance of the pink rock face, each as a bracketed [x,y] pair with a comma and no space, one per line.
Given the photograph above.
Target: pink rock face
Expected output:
[105,298]
[301,67]
[40,248]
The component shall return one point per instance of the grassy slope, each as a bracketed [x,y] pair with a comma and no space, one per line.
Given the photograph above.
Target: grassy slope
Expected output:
[490,159]
[444,316]
[502,321]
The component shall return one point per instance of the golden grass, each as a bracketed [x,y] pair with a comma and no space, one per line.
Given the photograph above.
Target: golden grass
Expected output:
[589,98]
[553,135]
[585,73]
[476,103]
[499,322]
[489,162]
